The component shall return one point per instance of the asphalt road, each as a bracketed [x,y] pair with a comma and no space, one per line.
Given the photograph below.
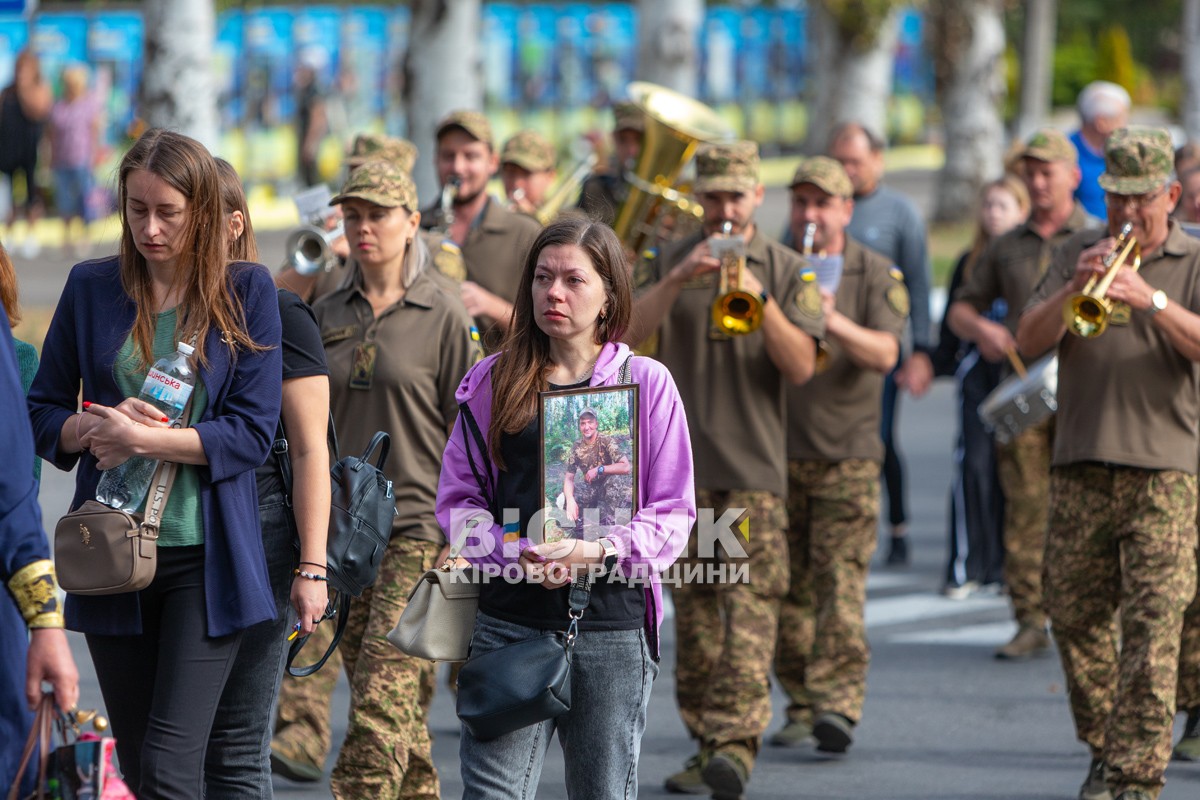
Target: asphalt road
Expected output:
[943,719]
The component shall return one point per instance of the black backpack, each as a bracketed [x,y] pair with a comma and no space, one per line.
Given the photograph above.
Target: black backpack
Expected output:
[362,505]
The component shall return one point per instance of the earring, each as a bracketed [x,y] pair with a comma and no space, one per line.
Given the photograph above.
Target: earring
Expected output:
[603,315]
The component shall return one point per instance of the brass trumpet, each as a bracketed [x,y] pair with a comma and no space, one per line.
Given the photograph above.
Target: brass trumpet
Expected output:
[823,355]
[1088,313]
[735,311]
[309,249]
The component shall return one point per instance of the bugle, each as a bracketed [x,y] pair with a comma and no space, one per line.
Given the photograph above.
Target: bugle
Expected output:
[735,311]
[1088,313]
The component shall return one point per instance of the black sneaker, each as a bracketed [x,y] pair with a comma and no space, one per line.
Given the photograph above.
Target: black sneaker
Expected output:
[726,774]
[834,733]
[1095,787]
[898,552]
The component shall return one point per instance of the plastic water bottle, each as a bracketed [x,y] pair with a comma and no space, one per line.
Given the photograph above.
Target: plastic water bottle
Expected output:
[168,386]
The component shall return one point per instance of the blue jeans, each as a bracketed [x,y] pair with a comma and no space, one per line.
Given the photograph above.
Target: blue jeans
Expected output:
[238,763]
[601,736]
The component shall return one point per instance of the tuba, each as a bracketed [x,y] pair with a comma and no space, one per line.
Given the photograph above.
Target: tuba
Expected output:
[675,126]
[735,311]
[565,191]
[1088,313]
[309,249]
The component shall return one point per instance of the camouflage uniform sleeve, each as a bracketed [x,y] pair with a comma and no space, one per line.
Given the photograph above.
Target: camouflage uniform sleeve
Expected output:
[612,453]
[887,301]
[981,287]
[794,286]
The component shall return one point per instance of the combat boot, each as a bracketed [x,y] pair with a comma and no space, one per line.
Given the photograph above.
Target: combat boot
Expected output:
[793,734]
[1095,787]
[289,762]
[834,733]
[1028,642]
[1188,748]
[727,772]
[688,780]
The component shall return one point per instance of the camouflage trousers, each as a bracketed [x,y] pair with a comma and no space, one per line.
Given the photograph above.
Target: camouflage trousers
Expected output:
[1121,546]
[822,654]
[726,632]
[386,752]
[1187,694]
[1023,466]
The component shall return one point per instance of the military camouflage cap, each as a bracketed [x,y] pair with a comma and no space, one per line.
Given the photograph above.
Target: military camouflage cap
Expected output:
[1047,144]
[589,411]
[382,183]
[628,117]
[475,125]
[731,167]
[1137,160]
[824,173]
[372,146]
[529,150]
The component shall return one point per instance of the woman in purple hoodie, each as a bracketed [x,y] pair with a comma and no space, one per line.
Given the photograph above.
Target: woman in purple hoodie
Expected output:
[573,306]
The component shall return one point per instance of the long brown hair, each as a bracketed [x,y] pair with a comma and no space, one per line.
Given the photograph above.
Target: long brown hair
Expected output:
[233,198]
[207,300]
[8,288]
[1013,185]
[522,369]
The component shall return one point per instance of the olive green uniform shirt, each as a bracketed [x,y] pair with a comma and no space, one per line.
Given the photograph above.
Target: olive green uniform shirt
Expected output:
[836,415]
[424,344]
[1128,397]
[494,252]
[733,393]
[1011,266]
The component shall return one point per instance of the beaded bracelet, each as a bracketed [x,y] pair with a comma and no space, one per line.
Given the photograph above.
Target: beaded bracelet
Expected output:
[312,576]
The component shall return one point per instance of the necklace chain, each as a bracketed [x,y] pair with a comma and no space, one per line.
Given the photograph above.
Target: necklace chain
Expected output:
[587,373]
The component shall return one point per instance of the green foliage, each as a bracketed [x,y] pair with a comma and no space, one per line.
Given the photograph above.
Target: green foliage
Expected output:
[1075,66]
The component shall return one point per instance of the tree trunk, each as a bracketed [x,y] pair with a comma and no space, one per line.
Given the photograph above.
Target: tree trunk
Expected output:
[1191,69]
[972,35]
[668,32]
[177,81]
[848,81]
[1037,65]
[443,74]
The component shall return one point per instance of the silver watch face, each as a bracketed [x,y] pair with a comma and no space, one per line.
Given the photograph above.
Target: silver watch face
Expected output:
[1158,300]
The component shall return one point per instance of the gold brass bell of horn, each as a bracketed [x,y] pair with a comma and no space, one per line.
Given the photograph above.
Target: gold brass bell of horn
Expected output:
[736,311]
[309,249]
[1088,313]
[675,126]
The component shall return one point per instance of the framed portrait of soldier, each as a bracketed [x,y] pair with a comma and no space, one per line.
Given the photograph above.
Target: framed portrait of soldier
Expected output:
[589,445]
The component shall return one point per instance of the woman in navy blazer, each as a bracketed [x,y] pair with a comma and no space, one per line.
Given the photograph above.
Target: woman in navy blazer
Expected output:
[162,655]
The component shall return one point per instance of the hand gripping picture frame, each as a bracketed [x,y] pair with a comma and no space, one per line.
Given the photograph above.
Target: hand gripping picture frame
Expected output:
[589,471]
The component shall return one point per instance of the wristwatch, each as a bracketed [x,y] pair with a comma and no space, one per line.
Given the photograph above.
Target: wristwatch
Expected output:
[1158,301]
[601,470]
[610,554]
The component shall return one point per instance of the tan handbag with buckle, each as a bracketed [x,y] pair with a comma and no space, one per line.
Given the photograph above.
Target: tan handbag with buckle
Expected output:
[439,619]
[103,550]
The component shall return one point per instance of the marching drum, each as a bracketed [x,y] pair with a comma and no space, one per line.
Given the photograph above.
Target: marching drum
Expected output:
[1021,401]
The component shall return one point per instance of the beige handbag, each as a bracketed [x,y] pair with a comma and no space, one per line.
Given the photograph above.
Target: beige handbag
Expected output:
[439,619]
[103,550]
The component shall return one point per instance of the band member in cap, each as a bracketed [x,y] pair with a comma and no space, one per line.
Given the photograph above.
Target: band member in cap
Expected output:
[527,170]
[1120,554]
[887,221]
[490,240]
[365,147]
[397,344]
[604,192]
[834,455]
[734,390]
[1009,270]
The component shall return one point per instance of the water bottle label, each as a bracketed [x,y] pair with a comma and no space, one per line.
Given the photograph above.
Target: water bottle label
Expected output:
[168,392]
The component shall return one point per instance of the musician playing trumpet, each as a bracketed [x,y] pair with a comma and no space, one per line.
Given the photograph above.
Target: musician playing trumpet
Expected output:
[733,388]
[834,457]
[1120,548]
[1007,271]
[527,169]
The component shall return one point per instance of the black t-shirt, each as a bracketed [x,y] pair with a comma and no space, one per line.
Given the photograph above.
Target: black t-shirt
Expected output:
[615,605]
[303,357]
